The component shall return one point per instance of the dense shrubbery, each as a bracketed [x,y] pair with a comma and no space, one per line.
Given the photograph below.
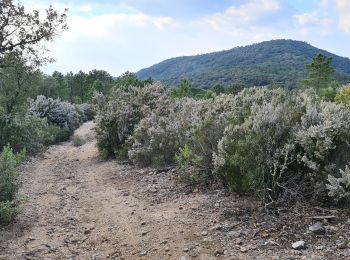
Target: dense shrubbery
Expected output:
[86,112]
[118,117]
[24,132]
[8,187]
[283,144]
[57,113]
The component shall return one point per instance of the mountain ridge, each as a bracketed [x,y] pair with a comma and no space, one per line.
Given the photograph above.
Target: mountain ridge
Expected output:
[279,62]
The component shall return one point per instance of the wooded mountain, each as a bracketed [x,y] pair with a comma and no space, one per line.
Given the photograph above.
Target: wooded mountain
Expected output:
[279,62]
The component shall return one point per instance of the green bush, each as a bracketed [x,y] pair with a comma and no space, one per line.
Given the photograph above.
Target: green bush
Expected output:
[343,97]
[8,186]
[24,132]
[58,134]
[8,211]
[86,112]
[78,141]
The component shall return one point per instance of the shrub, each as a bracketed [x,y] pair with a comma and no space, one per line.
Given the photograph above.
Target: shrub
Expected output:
[8,187]
[339,188]
[343,97]
[86,112]
[117,117]
[58,134]
[323,140]
[78,141]
[58,113]
[158,136]
[8,211]
[24,132]
[258,153]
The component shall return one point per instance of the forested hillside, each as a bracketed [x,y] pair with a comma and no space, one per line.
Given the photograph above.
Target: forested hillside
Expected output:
[279,62]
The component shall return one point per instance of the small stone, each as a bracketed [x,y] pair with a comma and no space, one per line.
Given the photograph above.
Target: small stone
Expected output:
[217,227]
[239,241]
[243,249]
[342,245]
[217,205]
[319,247]
[164,242]
[234,233]
[219,252]
[298,245]
[186,249]
[204,233]
[126,193]
[183,258]
[144,233]
[167,249]
[143,253]
[317,228]
[143,223]
[181,208]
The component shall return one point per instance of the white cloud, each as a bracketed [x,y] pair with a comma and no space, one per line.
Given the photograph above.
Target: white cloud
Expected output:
[241,17]
[343,7]
[312,19]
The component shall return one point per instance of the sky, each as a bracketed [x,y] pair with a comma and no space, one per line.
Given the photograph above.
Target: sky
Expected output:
[128,35]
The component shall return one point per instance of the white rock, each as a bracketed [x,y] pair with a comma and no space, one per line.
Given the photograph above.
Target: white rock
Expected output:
[299,245]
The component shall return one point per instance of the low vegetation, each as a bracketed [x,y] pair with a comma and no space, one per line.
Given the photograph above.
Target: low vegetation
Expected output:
[284,145]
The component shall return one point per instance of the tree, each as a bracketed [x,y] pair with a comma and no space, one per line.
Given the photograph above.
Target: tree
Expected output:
[81,87]
[22,33]
[319,73]
[18,81]
[183,90]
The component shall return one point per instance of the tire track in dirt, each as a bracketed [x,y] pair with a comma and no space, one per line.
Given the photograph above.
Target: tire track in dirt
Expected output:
[80,207]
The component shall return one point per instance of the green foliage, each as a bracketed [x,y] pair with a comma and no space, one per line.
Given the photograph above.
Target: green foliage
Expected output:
[8,186]
[277,62]
[86,112]
[8,211]
[18,81]
[129,79]
[320,76]
[319,73]
[343,97]
[183,90]
[58,134]
[24,132]
[78,140]
[189,166]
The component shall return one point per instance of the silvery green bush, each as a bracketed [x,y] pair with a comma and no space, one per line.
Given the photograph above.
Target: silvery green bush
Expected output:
[57,112]
[339,188]
[117,117]
[281,143]
[86,112]
[159,135]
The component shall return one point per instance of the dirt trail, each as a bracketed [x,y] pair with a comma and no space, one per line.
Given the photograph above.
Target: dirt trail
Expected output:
[81,207]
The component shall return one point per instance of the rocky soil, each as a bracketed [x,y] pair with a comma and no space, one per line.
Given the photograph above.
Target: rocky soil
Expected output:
[78,206]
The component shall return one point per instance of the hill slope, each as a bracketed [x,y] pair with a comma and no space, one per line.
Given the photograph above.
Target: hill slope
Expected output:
[277,61]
